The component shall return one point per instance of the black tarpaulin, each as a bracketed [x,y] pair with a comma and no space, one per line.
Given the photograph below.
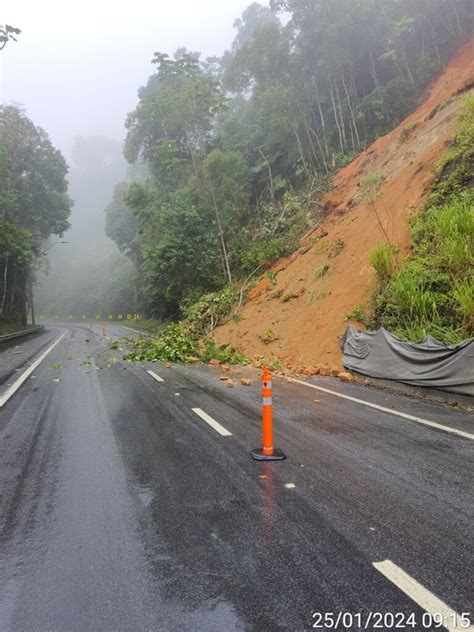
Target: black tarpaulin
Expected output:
[428,363]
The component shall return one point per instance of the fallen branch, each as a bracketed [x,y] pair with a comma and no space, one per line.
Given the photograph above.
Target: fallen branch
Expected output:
[245,283]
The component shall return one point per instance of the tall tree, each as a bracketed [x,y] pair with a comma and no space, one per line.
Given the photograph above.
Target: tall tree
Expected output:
[33,203]
[8,33]
[304,86]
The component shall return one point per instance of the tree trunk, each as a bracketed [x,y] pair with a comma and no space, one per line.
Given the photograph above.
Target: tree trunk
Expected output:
[349,103]
[195,168]
[321,116]
[5,279]
[407,65]
[453,6]
[219,227]
[373,72]
[32,305]
[451,29]
[24,311]
[341,116]
[12,295]
[353,87]
[336,119]
[316,163]
[326,169]
[270,175]
[434,39]
[300,149]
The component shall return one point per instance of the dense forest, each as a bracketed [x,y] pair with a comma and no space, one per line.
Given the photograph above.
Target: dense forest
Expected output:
[228,156]
[236,150]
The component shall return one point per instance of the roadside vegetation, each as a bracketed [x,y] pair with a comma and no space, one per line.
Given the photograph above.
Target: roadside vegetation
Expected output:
[227,159]
[34,205]
[432,290]
[234,152]
[190,339]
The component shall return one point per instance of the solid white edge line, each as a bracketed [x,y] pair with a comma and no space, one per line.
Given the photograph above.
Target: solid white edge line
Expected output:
[420,595]
[419,420]
[11,390]
[155,376]
[212,422]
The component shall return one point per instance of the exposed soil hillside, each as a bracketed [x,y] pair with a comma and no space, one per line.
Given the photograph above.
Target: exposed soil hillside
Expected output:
[300,316]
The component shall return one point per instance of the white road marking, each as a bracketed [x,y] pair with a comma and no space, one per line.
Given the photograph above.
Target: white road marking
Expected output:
[137,331]
[11,390]
[212,422]
[420,595]
[290,485]
[419,420]
[155,376]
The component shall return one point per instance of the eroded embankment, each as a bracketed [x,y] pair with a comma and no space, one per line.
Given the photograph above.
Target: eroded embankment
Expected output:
[299,317]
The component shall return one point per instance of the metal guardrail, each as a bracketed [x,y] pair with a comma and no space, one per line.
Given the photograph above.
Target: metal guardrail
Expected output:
[21,334]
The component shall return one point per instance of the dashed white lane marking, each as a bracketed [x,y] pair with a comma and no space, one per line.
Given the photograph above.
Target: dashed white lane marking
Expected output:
[11,390]
[420,595]
[212,422]
[155,376]
[398,413]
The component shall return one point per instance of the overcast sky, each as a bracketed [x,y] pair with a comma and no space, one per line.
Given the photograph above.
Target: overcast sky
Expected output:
[77,65]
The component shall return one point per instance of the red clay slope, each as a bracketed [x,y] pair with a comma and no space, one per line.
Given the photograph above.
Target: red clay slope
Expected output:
[300,318]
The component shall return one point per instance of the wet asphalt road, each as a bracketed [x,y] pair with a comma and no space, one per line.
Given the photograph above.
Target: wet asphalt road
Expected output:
[121,509]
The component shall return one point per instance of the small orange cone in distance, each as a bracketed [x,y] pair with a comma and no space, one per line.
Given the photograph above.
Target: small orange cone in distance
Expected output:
[267,452]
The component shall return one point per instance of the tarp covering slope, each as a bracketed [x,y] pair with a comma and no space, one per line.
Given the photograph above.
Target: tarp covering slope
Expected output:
[428,363]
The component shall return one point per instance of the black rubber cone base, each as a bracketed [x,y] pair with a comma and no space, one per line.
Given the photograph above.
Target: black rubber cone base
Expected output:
[277,455]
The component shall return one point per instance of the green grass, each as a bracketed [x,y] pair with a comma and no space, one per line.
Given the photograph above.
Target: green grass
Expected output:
[359,313]
[381,259]
[432,290]
[321,271]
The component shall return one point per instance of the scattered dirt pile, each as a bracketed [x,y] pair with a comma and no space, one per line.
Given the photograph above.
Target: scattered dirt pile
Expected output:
[298,313]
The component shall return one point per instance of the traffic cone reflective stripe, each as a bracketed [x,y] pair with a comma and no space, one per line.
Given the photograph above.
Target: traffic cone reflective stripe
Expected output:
[268,452]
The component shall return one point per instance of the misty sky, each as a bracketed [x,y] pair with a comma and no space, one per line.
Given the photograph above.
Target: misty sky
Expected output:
[77,65]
